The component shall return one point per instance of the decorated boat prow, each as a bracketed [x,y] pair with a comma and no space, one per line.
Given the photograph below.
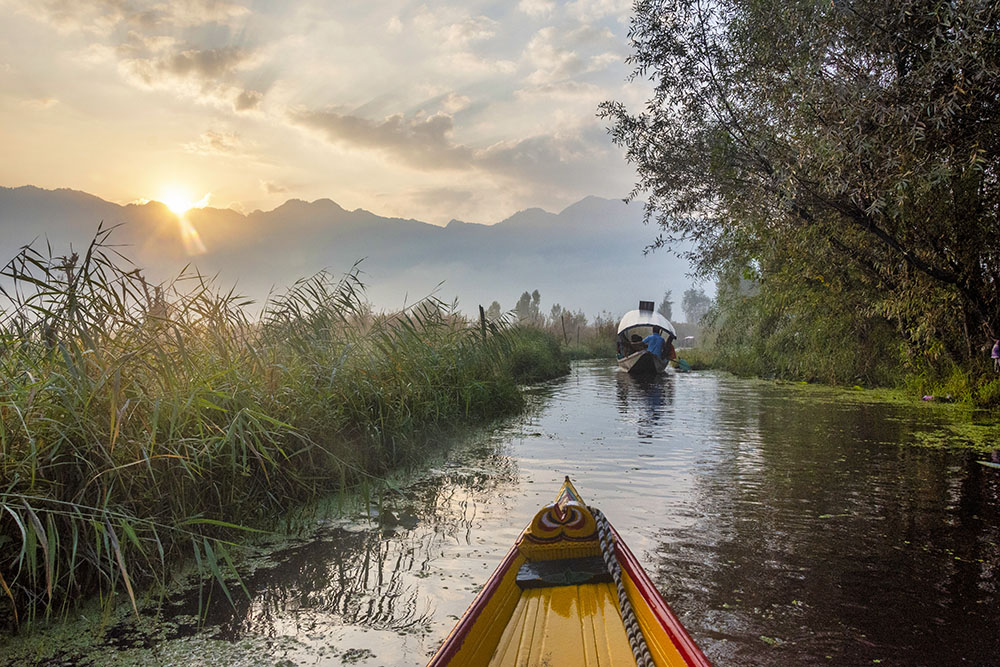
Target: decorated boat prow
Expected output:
[569,592]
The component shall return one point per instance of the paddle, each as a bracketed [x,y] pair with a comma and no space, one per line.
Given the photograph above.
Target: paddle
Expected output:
[682,365]
[989,463]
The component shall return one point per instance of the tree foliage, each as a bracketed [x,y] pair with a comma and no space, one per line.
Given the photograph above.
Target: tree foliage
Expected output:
[695,304]
[666,307]
[528,306]
[818,138]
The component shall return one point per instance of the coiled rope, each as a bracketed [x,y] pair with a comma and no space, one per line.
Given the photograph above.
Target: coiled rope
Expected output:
[635,637]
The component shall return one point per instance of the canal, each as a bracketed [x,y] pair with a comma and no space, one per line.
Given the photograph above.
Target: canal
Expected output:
[785,524]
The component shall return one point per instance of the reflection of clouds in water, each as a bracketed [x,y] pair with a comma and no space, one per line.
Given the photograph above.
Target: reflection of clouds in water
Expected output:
[808,511]
[339,577]
[368,573]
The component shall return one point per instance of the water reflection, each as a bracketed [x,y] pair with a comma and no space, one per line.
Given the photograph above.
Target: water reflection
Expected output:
[822,540]
[339,577]
[364,572]
[646,401]
[785,527]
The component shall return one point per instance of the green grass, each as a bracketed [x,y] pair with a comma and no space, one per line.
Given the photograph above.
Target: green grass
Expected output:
[535,355]
[143,425]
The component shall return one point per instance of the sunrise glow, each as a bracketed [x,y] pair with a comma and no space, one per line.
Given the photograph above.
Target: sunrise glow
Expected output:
[179,199]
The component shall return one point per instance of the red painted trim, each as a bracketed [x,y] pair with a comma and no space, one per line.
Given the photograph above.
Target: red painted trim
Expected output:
[678,634]
[454,642]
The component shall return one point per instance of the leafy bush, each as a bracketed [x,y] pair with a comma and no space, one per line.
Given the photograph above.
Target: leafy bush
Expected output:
[535,355]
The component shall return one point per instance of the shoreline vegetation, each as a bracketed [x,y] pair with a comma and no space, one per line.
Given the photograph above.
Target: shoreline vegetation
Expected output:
[142,426]
[834,170]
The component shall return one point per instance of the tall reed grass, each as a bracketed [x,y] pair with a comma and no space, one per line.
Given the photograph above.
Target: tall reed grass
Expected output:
[141,425]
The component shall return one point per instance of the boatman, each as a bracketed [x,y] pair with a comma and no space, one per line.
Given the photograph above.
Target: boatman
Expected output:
[655,342]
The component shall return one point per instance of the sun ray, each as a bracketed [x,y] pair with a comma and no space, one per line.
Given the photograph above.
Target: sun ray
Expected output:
[179,200]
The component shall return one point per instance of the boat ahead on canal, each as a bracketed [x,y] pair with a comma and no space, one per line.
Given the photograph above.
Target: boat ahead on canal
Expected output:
[633,328]
[569,593]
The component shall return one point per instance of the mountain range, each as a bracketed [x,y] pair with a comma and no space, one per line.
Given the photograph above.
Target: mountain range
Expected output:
[589,257]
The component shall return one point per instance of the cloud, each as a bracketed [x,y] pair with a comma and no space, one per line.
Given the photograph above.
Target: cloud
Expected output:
[472,29]
[272,188]
[207,75]
[421,142]
[595,10]
[247,100]
[555,54]
[216,142]
[567,159]
[537,8]
[565,91]
[453,103]
[194,64]
[101,17]
[574,160]
[160,44]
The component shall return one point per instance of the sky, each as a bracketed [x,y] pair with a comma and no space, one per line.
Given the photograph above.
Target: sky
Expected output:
[428,110]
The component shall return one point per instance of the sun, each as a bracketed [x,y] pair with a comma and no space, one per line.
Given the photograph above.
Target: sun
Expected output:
[179,199]
[176,198]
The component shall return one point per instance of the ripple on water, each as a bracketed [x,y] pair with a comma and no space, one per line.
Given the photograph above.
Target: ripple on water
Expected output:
[785,525]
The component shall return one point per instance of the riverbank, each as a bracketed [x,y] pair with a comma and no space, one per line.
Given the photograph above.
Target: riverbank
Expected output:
[145,426]
[947,383]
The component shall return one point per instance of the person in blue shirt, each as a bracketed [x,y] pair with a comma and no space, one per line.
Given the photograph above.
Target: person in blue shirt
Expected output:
[655,342]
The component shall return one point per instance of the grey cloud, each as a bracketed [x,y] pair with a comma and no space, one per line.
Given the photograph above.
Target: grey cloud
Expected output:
[566,161]
[210,70]
[162,44]
[421,142]
[247,100]
[98,16]
[570,163]
[208,63]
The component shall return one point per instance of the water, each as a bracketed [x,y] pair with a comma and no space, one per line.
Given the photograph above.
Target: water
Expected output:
[785,525]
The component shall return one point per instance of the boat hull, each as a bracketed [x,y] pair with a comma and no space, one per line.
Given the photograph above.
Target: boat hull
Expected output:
[549,604]
[643,363]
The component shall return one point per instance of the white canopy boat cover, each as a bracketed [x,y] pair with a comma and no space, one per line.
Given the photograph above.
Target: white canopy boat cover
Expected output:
[645,318]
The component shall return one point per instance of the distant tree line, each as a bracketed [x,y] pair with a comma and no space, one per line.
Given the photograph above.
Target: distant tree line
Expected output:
[836,167]
[594,337]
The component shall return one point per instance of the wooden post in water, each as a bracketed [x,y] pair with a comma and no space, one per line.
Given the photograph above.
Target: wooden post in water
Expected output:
[482,321]
[562,318]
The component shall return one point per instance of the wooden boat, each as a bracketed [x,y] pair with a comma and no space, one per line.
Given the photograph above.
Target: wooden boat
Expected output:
[643,362]
[636,325]
[569,593]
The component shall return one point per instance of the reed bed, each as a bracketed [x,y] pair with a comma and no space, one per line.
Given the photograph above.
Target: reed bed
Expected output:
[143,425]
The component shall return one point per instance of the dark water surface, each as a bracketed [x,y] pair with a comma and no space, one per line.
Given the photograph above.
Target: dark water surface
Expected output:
[785,525]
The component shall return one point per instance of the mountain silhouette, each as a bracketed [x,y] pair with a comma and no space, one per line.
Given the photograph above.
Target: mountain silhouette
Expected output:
[588,257]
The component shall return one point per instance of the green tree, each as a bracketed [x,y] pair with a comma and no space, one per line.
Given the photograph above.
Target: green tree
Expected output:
[494,311]
[666,307]
[695,304]
[852,139]
[528,306]
[523,307]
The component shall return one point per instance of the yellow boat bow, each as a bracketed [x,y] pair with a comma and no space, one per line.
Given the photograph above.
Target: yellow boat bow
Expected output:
[569,593]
